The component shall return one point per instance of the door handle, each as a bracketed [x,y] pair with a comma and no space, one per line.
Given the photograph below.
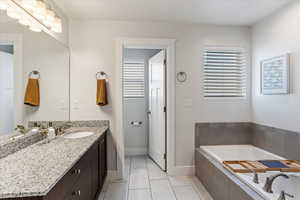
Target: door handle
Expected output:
[149,112]
[77,193]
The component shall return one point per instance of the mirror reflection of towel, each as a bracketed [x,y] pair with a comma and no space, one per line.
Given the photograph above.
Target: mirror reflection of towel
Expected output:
[101,98]
[32,94]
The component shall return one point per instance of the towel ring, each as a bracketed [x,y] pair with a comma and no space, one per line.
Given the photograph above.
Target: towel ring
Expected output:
[99,74]
[34,72]
[181,77]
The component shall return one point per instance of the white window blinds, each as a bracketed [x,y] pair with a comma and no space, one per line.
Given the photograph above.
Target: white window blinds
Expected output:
[224,73]
[134,79]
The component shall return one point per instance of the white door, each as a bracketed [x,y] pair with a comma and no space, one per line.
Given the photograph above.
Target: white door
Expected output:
[6,93]
[157,133]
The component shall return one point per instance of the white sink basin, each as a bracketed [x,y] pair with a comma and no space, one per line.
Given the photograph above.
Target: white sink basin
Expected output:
[78,135]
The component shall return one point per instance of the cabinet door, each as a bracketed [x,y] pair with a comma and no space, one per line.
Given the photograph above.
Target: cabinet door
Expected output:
[102,161]
[95,168]
[82,188]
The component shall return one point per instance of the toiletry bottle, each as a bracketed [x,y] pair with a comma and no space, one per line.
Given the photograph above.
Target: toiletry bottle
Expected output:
[51,131]
[35,128]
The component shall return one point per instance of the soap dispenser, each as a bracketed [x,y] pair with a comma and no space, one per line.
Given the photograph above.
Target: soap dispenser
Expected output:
[51,131]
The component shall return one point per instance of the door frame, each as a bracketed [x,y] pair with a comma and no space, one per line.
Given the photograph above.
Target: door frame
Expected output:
[17,41]
[145,43]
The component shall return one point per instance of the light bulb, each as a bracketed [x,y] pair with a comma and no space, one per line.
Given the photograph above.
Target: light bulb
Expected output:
[49,19]
[35,28]
[57,25]
[13,13]
[29,5]
[3,5]
[40,10]
[24,21]
[50,15]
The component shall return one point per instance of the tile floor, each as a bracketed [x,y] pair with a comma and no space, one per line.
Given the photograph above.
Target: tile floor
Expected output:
[146,181]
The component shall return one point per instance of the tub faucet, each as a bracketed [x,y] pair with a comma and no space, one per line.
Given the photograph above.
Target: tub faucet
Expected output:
[255,176]
[283,194]
[270,180]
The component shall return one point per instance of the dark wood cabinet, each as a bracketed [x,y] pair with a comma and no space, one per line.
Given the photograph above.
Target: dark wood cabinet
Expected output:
[95,162]
[84,180]
[102,165]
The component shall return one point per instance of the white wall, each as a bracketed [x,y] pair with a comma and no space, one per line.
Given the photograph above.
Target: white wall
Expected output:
[276,35]
[6,93]
[93,47]
[135,109]
[51,59]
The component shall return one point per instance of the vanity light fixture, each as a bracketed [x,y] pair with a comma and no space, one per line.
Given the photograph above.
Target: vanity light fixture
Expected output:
[3,5]
[36,14]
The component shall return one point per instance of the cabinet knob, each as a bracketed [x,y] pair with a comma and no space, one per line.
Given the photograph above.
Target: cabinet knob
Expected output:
[77,193]
[76,171]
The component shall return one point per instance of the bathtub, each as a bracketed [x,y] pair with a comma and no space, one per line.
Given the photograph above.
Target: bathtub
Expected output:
[222,153]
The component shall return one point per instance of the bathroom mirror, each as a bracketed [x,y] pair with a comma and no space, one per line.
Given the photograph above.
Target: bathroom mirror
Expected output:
[24,55]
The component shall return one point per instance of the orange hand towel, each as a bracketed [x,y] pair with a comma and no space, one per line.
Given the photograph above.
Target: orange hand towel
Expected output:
[32,95]
[101,98]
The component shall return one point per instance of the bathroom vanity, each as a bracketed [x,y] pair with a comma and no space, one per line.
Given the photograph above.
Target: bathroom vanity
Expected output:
[62,169]
[66,168]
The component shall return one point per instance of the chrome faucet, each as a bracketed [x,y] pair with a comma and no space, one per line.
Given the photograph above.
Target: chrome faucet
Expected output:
[283,194]
[22,129]
[61,129]
[270,180]
[255,177]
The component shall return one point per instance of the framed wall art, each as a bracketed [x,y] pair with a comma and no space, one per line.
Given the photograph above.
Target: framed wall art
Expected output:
[275,75]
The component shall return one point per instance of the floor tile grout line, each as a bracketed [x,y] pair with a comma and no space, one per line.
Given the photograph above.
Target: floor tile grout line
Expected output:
[197,189]
[172,188]
[150,188]
[191,179]
[185,186]
[104,192]
[129,176]
[194,186]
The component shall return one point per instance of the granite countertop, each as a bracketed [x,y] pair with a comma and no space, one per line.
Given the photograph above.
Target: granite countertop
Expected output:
[34,171]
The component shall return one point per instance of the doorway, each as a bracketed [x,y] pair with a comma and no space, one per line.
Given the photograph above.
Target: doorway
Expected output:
[144,104]
[7,118]
[145,43]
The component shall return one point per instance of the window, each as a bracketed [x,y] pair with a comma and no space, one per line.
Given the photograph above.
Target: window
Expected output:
[224,73]
[134,79]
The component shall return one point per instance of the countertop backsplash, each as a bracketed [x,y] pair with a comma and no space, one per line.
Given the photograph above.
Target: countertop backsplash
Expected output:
[9,145]
[87,123]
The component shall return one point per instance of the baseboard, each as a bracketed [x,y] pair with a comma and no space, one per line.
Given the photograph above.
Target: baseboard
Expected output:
[182,171]
[135,151]
[112,175]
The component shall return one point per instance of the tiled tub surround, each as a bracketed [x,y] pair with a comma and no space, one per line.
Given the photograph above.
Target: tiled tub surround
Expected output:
[33,171]
[221,153]
[280,142]
[221,183]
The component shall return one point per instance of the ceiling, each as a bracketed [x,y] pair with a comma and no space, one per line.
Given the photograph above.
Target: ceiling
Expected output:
[224,12]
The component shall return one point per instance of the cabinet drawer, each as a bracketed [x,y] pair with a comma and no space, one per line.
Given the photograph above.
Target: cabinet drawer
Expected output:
[71,177]
[82,188]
